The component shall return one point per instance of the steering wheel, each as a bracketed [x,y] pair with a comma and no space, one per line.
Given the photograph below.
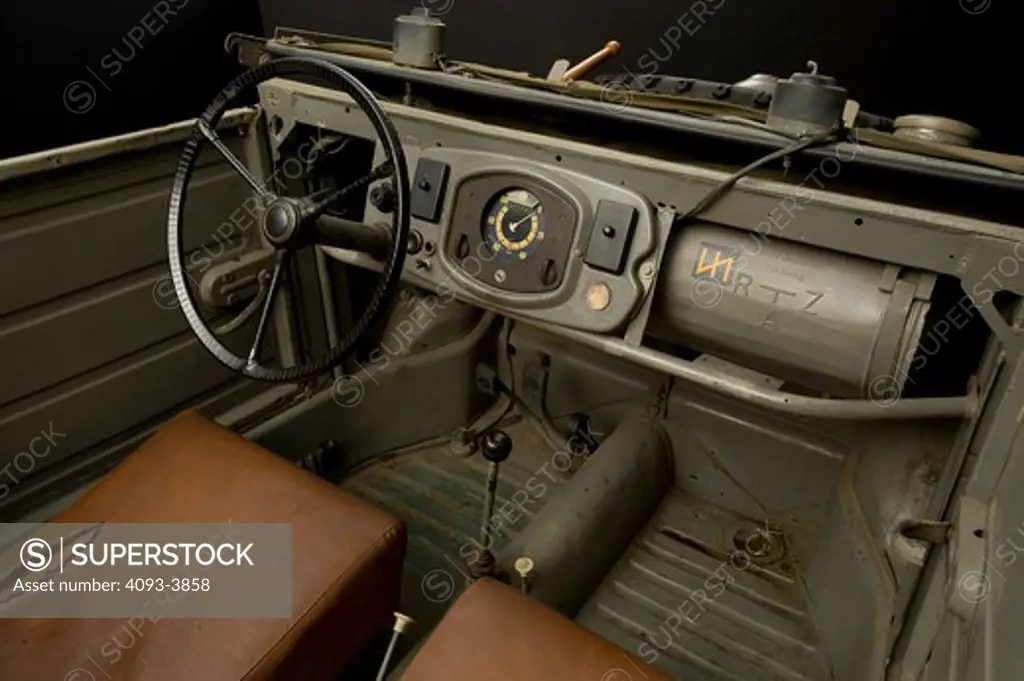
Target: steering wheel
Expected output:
[289,224]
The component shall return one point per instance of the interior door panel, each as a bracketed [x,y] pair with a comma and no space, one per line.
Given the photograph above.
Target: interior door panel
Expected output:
[91,346]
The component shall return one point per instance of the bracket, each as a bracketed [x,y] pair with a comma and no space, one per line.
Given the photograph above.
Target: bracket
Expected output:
[913,539]
[229,283]
[970,583]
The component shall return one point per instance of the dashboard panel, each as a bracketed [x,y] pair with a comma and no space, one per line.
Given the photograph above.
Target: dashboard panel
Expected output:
[530,238]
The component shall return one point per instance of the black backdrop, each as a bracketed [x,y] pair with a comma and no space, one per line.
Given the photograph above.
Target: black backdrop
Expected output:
[949,57]
[76,70]
[895,56]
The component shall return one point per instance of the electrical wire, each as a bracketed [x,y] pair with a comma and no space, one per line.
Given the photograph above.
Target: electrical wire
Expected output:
[718,192]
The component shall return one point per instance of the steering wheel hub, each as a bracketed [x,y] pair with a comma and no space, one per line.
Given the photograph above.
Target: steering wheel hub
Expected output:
[280,222]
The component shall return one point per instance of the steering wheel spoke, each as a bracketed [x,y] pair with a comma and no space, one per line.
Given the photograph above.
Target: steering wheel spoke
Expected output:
[283,258]
[381,171]
[213,138]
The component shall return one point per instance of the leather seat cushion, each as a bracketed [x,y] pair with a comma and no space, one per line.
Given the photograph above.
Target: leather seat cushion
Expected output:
[496,633]
[346,572]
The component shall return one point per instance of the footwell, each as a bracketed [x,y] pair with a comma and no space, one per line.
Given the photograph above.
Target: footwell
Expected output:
[705,595]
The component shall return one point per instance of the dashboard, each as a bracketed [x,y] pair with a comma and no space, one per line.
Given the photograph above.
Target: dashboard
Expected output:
[563,233]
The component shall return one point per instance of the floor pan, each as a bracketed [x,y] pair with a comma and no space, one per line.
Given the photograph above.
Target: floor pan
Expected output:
[702,594]
[705,595]
[440,498]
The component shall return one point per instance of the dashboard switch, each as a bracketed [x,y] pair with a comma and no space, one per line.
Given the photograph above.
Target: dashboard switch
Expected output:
[610,236]
[462,249]
[549,276]
[383,197]
[428,187]
[415,243]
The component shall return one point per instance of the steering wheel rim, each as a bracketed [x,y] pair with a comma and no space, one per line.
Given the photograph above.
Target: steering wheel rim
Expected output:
[204,131]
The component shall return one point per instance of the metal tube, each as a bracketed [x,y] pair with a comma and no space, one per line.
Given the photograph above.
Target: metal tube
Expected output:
[492,486]
[583,529]
[387,656]
[838,324]
[372,238]
[780,402]
[402,622]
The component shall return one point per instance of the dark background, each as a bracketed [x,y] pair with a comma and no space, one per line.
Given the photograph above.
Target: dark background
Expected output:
[895,56]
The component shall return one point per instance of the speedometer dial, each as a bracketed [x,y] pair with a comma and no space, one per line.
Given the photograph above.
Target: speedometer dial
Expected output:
[514,223]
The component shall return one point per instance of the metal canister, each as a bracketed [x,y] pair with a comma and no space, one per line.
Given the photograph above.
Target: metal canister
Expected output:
[418,39]
[839,324]
[807,104]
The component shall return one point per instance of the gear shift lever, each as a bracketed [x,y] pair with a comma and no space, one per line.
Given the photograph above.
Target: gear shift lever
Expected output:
[496,446]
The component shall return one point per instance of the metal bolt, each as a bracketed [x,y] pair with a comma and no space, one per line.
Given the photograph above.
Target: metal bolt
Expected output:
[524,566]
[499,276]
[647,271]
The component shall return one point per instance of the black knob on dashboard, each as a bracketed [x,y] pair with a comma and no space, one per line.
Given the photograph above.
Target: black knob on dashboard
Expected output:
[414,244]
[496,445]
[383,197]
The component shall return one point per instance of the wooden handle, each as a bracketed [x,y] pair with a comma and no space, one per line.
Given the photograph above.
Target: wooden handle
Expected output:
[609,50]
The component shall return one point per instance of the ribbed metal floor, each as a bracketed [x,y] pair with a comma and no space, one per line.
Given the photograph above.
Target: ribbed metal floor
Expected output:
[440,499]
[662,602]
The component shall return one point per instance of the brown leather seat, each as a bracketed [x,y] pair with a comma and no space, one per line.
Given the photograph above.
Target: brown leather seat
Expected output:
[347,561]
[494,632]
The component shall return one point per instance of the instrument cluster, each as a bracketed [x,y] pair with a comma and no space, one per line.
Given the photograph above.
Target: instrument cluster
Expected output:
[537,240]
[519,230]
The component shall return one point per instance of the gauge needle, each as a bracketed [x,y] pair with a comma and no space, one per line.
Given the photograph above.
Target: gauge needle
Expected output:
[515,225]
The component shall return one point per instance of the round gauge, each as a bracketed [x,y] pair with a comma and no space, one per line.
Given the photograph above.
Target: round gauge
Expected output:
[514,222]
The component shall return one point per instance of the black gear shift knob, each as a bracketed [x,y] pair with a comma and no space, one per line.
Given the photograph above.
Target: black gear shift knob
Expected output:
[496,445]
